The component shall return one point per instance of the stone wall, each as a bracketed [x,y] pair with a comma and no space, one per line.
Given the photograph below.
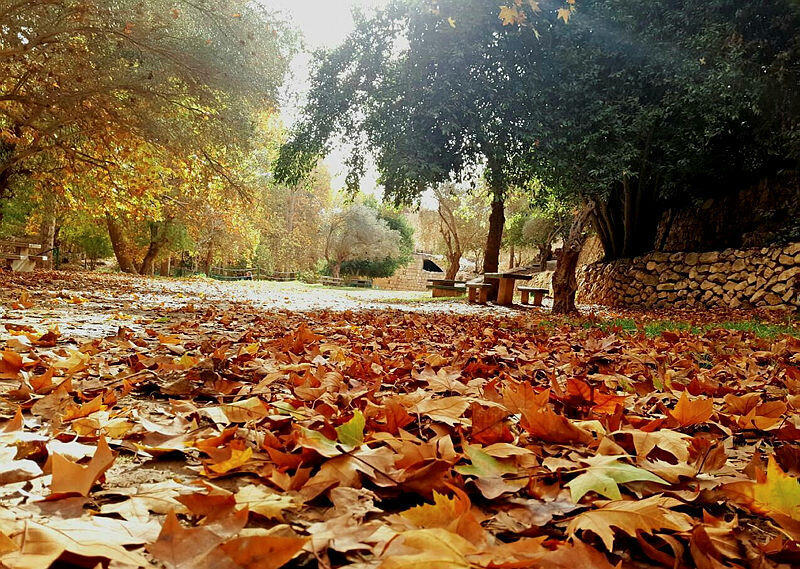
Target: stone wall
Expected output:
[761,277]
[410,277]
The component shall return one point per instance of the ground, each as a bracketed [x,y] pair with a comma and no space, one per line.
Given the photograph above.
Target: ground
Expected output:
[190,423]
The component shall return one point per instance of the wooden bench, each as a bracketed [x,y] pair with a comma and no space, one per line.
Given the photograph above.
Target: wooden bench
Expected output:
[282,277]
[446,287]
[538,294]
[359,283]
[22,259]
[478,292]
[440,290]
[332,281]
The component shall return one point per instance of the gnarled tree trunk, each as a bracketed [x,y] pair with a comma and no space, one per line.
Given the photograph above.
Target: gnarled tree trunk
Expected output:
[120,245]
[565,281]
[158,239]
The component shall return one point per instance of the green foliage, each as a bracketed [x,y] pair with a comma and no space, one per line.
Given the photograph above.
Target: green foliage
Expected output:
[87,237]
[632,106]
[646,105]
[15,212]
[388,266]
[431,113]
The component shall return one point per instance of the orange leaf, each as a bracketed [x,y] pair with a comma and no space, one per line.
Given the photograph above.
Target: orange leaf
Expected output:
[692,412]
[73,478]
[262,551]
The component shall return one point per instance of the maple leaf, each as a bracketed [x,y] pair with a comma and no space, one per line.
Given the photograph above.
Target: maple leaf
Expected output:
[435,548]
[530,553]
[13,470]
[182,548]
[451,514]
[646,515]
[448,410]
[351,433]
[262,551]
[489,472]
[72,478]
[87,540]
[604,474]
[263,501]
[511,15]
[774,493]
[692,412]
[564,14]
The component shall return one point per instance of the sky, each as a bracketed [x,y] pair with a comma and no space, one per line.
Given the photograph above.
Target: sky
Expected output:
[324,24]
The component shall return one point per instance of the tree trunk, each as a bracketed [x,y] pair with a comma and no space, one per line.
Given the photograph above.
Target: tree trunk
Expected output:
[511,255]
[491,255]
[165,266]
[336,269]
[47,231]
[454,264]
[209,259]
[565,281]
[118,243]
[545,253]
[158,239]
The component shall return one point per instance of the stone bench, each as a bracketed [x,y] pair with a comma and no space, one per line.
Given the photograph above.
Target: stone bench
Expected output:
[538,294]
[478,292]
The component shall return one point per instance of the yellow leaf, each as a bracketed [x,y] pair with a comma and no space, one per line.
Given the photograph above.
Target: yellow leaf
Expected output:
[775,494]
[564,14]
[238,458]
[437,548]
[511,15]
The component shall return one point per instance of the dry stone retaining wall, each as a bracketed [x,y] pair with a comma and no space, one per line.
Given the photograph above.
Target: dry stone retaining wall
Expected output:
[763,277]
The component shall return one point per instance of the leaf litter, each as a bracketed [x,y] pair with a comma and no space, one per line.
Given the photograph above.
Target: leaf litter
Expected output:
[202,433]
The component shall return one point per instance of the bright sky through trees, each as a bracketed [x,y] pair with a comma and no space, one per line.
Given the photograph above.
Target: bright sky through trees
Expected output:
[324,24]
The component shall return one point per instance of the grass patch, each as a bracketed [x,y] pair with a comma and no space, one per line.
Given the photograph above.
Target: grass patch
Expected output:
[423,300]
[655,328]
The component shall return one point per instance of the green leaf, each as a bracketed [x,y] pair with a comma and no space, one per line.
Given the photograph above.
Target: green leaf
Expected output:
[604,474]
[351,434]
[483,465]
[318,442]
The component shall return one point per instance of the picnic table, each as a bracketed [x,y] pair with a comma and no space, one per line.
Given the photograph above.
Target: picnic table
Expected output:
[23,258]
[446,287]
[505,292]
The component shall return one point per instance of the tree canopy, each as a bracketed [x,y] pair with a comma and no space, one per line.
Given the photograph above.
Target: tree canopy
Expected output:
[95,84]
[640,106]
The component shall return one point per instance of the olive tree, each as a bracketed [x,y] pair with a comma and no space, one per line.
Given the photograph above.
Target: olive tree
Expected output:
[358,234]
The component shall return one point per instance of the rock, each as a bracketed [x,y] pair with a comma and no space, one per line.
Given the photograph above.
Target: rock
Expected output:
[691,258]
[792,249]
[786,260]
[738,265]
[710,257]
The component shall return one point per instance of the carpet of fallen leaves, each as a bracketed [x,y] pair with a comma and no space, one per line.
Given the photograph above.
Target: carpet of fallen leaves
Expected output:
[223,436]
